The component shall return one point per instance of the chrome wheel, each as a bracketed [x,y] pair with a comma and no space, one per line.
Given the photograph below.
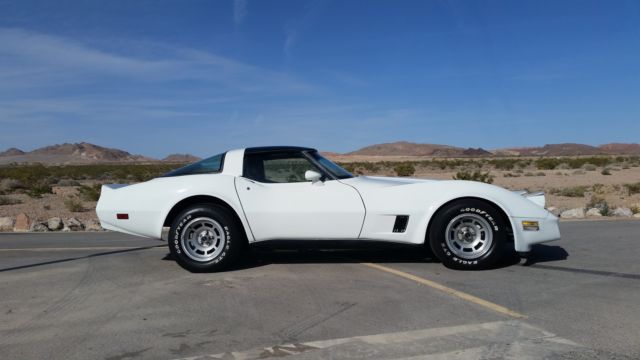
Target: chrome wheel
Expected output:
[203,239]
[469,236]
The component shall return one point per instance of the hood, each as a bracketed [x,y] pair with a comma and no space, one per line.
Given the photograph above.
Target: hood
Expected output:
[382,181]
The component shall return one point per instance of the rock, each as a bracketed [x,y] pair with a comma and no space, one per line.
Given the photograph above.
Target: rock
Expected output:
[594,212]
[622,212]
[39,227]
[554,210]
[73,224]
[55,223]
[22,223]
[577,213]
[6,223]
[92,225]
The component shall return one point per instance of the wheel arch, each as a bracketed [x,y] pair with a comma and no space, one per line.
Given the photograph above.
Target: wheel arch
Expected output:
[203,199]
[499,207]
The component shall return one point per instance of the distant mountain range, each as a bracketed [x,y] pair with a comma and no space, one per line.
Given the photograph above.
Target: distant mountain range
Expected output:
[83,153]
[86,153]
[403,148]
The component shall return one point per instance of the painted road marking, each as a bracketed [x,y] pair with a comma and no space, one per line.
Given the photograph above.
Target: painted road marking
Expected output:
[453,292]
[108,248]
[512,339]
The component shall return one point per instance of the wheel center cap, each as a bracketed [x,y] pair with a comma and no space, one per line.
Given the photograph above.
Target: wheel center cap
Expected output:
[205,238]
[466,234]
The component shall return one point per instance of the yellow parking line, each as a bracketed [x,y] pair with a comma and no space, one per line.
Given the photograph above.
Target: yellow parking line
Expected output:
[453,292]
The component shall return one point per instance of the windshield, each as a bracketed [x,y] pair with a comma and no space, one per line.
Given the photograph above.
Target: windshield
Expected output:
[331,167]
[207,166]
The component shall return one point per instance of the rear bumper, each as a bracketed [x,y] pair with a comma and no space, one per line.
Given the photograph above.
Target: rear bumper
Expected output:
[549,231]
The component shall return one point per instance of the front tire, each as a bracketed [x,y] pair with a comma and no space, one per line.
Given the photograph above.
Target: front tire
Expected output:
[205,237]
[468,234]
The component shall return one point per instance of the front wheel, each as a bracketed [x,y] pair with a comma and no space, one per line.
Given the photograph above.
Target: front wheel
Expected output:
[468,234]
[205,238]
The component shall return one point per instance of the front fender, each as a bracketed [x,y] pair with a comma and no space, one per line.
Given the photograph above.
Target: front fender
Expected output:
[422,200]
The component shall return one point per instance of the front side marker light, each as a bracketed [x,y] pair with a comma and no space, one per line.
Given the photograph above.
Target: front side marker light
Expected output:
[530,225]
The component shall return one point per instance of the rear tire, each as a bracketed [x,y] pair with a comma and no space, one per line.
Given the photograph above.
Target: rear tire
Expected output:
[205,237]
[468,234]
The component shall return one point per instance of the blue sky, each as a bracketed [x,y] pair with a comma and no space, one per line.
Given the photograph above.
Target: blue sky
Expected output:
[200,76]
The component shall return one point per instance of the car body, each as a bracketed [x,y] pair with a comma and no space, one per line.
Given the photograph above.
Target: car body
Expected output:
[264,190]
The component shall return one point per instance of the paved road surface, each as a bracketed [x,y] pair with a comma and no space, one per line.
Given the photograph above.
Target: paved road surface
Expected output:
[110,296]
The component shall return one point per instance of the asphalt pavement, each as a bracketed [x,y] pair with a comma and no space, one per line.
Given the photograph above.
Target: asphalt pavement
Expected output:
[111,296]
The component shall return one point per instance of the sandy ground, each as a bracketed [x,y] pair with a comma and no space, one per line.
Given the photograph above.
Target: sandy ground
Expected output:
[50,205]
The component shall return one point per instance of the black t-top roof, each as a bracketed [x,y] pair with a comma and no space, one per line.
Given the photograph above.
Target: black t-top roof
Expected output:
[262,149]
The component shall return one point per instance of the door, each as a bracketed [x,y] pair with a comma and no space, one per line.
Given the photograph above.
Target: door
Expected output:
[280,203]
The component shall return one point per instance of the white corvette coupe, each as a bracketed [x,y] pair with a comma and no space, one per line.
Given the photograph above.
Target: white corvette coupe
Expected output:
[215,207]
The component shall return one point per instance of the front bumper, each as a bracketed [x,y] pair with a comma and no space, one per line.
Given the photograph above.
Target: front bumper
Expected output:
[549,231]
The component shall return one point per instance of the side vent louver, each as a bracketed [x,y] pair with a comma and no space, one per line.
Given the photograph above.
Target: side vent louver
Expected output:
[401,223]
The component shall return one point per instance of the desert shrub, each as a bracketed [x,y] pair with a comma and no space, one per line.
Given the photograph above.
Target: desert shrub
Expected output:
[597,188]
[108,172]
[504,164]
[404,169]
[576,163]
[6,200]
[350,167]
[67,182]
[511,175]
[73,204]
[632,188]
[547,163]
[90,193]
[572,163]
[589,167]
[371,167]
[578,172]
[540,173]
[600,204]
[605,171]
[8,186]
[37,189]
[574,191]
[529,174]
[477,175]
[635,209]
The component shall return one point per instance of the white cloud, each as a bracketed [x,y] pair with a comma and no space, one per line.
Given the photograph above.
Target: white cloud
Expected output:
[291,35]
[239,11]
[31,59]
[294,29]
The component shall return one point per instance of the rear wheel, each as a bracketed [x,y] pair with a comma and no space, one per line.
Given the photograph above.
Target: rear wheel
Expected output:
[468,234]
[205,238]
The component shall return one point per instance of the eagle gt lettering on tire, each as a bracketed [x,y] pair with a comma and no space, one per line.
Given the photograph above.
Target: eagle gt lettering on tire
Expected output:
[468,234]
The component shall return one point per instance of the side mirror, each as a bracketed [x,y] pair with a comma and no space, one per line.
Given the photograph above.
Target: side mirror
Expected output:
[312,176]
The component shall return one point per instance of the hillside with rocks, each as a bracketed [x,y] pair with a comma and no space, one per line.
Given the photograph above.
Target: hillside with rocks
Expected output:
[403,148]
[83,153]
[181,158]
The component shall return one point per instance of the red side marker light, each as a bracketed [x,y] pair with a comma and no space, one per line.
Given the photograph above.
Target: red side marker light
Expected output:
[123,216]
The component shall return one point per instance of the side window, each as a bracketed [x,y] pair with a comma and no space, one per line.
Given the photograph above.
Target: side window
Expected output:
[276,167]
